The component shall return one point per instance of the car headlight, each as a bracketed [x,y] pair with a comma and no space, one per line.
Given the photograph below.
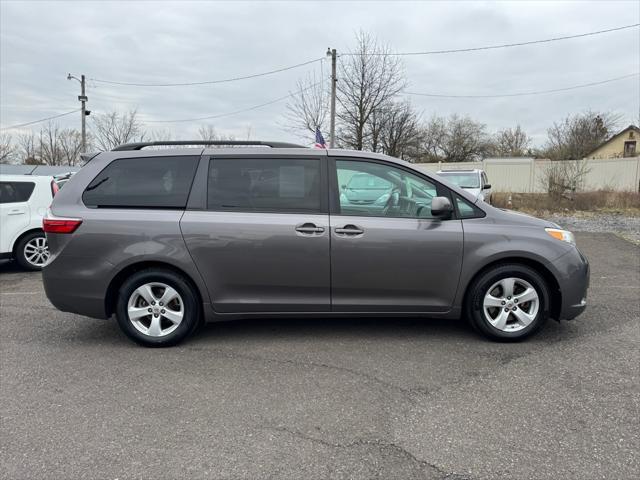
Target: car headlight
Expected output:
[559,234]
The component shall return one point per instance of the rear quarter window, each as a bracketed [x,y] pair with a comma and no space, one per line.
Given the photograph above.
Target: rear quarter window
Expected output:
[15,192]
[149,182]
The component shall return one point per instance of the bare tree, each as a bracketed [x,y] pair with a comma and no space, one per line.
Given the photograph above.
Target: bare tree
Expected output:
[160,135]
[430,137]
[465,140]
[28,149]
[562,178]
[577,135]
[369,77]
[7,148]
[308,108]
[208,133]
[456,139]
[70,145]
[399,131]
[373,129]
[49,149]
[113,129]
[511,142]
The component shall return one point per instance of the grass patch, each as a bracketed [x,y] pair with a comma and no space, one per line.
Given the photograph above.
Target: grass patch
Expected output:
[601,201]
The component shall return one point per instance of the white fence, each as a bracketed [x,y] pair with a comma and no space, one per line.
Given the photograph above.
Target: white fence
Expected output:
[526,175]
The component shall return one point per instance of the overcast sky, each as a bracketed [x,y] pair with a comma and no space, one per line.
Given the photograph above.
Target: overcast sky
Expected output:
[162,41]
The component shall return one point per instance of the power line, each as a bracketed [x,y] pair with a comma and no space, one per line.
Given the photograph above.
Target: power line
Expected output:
[228,114]
[41,120]
[522,94]
[208,82]
[505,45]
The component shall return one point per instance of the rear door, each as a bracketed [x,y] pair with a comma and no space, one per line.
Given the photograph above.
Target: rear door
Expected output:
[391,254]
[261,239]
[14,211]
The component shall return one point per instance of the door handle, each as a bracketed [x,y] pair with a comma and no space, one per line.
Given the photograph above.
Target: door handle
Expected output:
[349,230]
[15,212]
[309,228]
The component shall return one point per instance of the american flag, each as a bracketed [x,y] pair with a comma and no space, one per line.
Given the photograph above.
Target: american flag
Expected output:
[320,143]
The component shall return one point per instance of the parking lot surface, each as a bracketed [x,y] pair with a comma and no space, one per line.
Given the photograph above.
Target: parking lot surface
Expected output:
[307,399]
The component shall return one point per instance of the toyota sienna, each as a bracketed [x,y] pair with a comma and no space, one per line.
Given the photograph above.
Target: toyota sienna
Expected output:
[164,239]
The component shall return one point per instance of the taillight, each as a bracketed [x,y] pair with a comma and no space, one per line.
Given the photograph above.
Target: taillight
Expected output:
[54,188]
[53,224]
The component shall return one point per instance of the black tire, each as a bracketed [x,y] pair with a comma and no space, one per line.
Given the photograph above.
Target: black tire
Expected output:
[479,288]
[20,254]
[191,308]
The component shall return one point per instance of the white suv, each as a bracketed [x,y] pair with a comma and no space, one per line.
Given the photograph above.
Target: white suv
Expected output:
[473,181]
[24,199]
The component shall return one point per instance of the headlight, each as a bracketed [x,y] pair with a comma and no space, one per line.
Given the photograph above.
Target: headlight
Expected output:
[564,235]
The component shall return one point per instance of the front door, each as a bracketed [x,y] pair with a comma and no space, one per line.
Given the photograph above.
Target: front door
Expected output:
[262,243]
[15,215]
[388,253]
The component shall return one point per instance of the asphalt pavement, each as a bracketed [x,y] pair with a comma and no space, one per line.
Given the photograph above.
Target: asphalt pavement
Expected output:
[320,399]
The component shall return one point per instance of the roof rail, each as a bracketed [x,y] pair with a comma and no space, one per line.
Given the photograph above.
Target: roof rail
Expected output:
[244,143]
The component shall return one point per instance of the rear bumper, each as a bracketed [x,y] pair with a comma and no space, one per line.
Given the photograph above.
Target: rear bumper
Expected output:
[71,286]
[573,280]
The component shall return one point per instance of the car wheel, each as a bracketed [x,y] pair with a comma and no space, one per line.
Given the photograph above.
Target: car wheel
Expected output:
[157,308]
[32,251]
[508,302]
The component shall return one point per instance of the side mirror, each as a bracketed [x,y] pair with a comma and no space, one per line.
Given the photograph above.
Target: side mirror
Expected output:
[487,186]
[441,207]
[344,187]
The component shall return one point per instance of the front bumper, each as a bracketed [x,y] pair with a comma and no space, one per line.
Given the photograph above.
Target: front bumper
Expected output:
[573,280]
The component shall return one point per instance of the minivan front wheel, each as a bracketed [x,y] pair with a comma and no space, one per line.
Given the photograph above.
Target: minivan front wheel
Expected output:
[508,302]
[157,308]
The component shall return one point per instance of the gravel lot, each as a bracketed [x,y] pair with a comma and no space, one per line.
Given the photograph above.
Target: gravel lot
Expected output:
[624,225]
[318,399]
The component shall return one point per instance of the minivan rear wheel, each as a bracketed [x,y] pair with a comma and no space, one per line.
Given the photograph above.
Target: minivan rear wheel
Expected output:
[508,302]
[157,308]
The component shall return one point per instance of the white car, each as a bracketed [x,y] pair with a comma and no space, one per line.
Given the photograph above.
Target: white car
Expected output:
[473,181]
[24,200]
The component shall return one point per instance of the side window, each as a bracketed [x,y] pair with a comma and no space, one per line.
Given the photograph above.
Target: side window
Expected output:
[15,192]
[467,210]
[264,185]
[149,182]
[379,190]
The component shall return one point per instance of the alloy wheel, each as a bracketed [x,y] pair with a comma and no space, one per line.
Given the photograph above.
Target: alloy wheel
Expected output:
[155,309]
[36,251]
[511,304]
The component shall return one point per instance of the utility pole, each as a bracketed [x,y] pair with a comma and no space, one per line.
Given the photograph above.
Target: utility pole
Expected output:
[83,110]
[332,133]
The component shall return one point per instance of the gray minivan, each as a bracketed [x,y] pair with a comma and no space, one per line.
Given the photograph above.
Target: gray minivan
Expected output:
[165,239]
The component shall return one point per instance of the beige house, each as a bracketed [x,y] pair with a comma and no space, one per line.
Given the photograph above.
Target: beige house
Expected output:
[623,144]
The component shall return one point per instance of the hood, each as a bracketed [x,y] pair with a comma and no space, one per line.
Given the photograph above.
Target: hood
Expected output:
[473,191]
[519,218]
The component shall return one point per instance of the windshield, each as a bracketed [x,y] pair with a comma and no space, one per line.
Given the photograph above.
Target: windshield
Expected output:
[463,180]
[366,181]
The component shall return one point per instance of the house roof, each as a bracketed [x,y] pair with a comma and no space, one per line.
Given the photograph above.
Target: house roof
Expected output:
[621,132]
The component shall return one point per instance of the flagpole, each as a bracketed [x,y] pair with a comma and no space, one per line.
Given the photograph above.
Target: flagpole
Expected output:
[334,81]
